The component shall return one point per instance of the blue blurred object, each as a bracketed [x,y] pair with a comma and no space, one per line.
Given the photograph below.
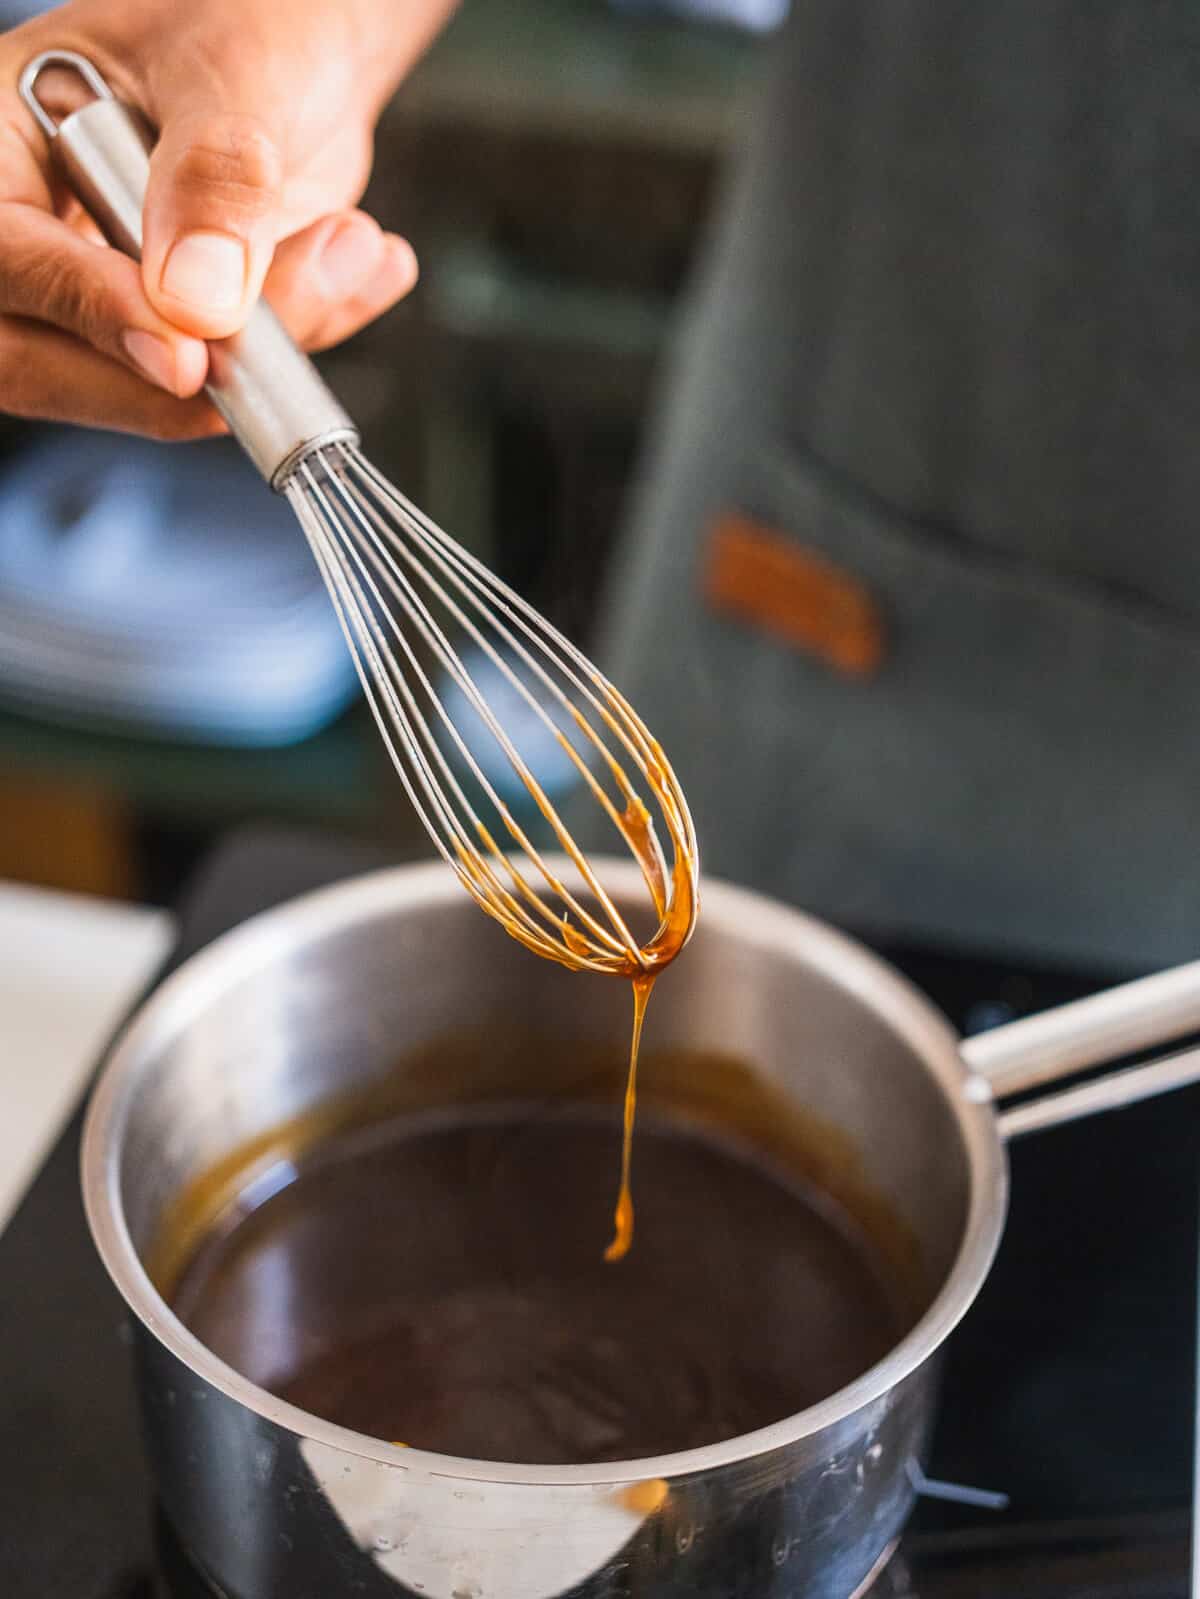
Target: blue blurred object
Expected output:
[533,741]
[162,589]
[14,11]
[759,16]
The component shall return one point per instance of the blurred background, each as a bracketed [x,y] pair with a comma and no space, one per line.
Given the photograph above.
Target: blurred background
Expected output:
[554,163]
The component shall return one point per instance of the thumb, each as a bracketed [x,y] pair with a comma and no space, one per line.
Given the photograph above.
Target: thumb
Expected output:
[211,220]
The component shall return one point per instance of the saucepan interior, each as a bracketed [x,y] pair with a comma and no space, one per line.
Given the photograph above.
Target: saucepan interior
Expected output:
[391,1002]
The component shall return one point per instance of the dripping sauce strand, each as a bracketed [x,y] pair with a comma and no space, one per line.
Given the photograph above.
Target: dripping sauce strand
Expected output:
[519,909]
[677,916]
[623,1214]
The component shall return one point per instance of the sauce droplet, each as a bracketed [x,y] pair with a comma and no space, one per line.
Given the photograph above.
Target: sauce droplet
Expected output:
[644,1498]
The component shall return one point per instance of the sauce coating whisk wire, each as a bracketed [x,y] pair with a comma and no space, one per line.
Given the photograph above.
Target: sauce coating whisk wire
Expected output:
[409,598]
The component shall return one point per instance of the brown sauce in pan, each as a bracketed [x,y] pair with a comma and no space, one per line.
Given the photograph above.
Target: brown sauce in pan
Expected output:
[464,1318]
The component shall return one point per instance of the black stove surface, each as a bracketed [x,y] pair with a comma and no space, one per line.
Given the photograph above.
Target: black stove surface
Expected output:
[1070,1386]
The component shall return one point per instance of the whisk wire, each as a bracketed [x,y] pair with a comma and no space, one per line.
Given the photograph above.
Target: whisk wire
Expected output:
[387,565]
[495,591]
[627,728]
[402,589]
[363,633]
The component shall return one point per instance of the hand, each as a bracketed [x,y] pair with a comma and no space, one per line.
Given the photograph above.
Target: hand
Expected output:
[266,111]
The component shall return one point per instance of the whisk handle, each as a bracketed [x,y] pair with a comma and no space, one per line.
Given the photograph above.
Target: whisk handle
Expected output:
[269,392]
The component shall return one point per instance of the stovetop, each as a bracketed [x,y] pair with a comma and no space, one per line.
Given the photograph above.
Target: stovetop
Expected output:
[1069,1387]
[1141,1558]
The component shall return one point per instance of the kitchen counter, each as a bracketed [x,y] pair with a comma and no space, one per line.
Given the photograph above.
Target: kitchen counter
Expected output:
[72,967]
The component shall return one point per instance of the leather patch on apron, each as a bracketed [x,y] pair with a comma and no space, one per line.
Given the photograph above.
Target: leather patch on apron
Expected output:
[763,577]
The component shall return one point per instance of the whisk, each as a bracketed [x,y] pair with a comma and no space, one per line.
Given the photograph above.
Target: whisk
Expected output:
[426,622]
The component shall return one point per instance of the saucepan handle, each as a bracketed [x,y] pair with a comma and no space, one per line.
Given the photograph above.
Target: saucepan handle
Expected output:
[1057,1043]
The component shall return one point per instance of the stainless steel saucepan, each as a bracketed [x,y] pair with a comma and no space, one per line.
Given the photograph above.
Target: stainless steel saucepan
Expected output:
[326,993]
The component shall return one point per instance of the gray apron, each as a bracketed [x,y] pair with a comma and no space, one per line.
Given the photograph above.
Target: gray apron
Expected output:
[947,338]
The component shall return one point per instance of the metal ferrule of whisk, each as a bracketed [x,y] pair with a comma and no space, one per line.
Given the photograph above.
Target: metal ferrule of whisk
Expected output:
[267,390]
[427,625]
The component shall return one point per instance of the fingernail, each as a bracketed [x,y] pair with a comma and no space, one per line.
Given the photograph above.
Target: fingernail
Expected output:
[403,260]
[349,259]
[396,273]
[153,356]
[206,270]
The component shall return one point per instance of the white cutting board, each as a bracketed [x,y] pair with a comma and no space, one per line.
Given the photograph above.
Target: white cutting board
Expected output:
[70,967]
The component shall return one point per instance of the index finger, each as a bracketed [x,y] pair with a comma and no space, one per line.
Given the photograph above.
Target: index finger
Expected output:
[50,272]
[25,167]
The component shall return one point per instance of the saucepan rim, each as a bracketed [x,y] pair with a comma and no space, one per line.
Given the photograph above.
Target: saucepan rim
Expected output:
[236,955]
